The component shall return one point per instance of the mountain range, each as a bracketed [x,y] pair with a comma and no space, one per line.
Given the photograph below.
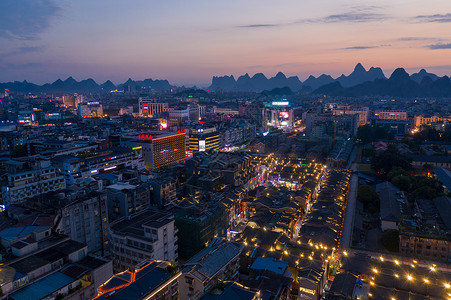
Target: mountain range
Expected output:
[360,82]
[400,84]
[354,83]
[70,85]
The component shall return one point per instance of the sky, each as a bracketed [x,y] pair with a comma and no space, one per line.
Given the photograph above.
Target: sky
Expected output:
[188,42]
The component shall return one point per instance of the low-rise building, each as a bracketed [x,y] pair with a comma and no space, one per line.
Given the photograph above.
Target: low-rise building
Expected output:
[218,262]
[391,201]
[59,266]
[427,234]
[150,280]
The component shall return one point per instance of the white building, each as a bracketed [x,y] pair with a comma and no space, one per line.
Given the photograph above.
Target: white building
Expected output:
[147,235]
[28,178]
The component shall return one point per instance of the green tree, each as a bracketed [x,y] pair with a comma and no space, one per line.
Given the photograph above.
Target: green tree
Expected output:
[368,133]
[402,182]
[396,171]
[368,196]
[390,240]
[390,159]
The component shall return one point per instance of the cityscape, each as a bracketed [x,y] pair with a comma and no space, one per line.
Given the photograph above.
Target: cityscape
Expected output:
[227,175]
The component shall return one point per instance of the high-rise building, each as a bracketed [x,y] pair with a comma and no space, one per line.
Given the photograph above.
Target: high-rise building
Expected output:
[150,107]
[390,114]
[90,109]
[203,138]
[158,148]
[143,236]
[361,112]
[125,199]
[28,178]
[69,101]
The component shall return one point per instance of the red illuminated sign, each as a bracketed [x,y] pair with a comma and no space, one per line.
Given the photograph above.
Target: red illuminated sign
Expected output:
[145,136]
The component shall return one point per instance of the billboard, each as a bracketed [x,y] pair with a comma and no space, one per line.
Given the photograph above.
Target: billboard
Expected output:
[202,145]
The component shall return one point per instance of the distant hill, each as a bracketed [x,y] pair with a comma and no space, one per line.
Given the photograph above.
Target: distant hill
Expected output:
[360,75]
[257,83]
[400,84]
[418,77]
[70,85]
[360,82]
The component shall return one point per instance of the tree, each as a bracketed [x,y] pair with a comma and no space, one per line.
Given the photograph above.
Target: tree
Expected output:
[402,182]
[368,196]
[390,240]
[368,133]
[396,171]
[390,159]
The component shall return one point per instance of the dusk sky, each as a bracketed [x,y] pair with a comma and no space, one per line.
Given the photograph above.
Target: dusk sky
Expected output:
[188,42]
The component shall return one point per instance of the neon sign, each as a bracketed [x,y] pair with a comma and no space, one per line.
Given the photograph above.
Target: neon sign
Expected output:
[145,136]
[280,103]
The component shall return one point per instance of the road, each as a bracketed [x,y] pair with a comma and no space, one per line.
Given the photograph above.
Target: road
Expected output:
[348,224]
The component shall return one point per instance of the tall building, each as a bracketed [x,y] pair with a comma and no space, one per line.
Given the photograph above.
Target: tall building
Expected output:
[126,199]
[159,148]
[90,110]
[420,120]
[30,177]
[317,125]
[203,138]
[76,169]
[390,114]
[362,113]
[69,101]
[143,236]
[150,107]
[255,111]
[84,218]
[179,115]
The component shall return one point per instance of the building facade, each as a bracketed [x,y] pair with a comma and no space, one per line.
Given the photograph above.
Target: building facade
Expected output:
[147,235]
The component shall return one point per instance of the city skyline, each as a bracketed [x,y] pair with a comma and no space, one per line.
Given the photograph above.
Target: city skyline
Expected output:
[188,43]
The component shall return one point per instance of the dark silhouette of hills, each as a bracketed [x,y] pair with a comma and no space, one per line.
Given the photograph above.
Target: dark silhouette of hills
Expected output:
[285,91]
[315,83]
[418,77]
[360,75]
[257,83]
[70,85]
[359,82]
[400,84]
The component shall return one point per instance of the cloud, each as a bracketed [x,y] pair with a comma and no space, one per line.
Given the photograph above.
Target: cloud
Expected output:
[21,50]
[359,48]
[439,46]
[414,38]
[354,17]
[437,18]
[359,14]
[26,19]
[259,25]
